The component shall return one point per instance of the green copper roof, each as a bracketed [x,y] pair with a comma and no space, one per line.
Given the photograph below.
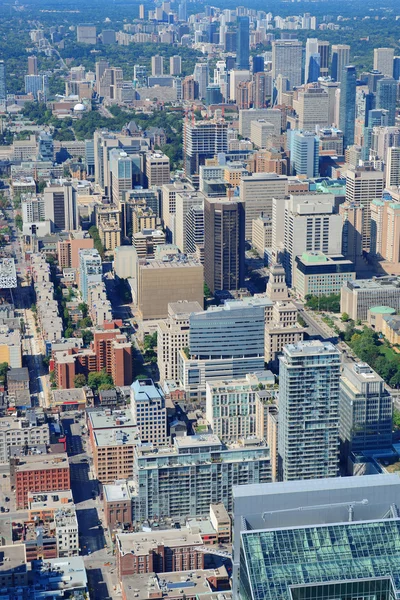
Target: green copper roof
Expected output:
[383,310]
[313,257]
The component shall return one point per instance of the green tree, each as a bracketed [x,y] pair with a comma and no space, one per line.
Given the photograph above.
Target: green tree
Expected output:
[87,336]
[84,323]
[98,378]
[3,370]
[106,386]
[83,307]
[207,291]
[396,418]
[345,317]
[79,380]
[69,332]
[18,222]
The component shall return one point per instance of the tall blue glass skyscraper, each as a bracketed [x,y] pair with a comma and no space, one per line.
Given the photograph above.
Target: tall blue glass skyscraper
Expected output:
[3,89]
[386,95]
[243,43]
[348,104]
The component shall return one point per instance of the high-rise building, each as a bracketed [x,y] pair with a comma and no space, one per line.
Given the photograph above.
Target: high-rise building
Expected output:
[385,230]
[396,68]
[313,59]
[90,270]
[243,43]
[393,167]
[348,104]
[86,34]
[3,85]
[201,76]
[261,89]
[224,244]
[141,12]
[335,540]
[182,11]
[352,214]
[365,410]
[257,192]
[173,336]
[304,223]
[184,201]
[304,153]
[340,59]
[157,65]
[175,65]
[312,109]
[308,433]
[258,64]
[324,53]
[287,60]
[101,66]
[32,65]
[386,97]
[157,169]
[201,140]
[372,80]
[270,115]
[36,85]
[330,87]
[61,207]
[149,412]
[121,174]
[364,184]
[383,61]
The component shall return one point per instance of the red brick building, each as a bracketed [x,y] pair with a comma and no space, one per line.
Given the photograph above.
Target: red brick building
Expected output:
[39,473]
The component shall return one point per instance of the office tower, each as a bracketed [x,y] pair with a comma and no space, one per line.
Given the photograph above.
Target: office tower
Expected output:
[110,83]
[261,89]
[383,61]
[348,104]
[213,95]
[372,80]
[257,192]
[61,207]
[101,66]
[86,34]
[157,65]
[324,53]
[108,36]
[175,65]
[3,85]
[312,109]
[201,140]
[370,103]
[139,75]
[304,223]
[121,170]
[281,86]
[183,203]
[340,59]
[396,68]
[385,230]
[230,44]
[383,138]
[308,433]
[200,75]
[352,214]
[313,60]
[393,167]
[149,412]
[141,11]
[90,270]
[304,153]
[173,336]
[45,147]
[235,78]
[190,88]
[36,85]
[287,60]
[182,11]
[334,541]
[32,65]
[258,64]
[195,230]
[271,115]
[363,185]
[386,97]
[157,169]
[365,411]
[243,43]
[375,118]
[224,244]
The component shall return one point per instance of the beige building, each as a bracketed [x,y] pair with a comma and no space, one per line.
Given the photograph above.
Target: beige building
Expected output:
[393,167]
[352,214]
[170,279]
[110,234]
[383,61]
[357,297]
[173,336]
[385,226]
[276,286]
[261,234]
[282,330]
[146,241]
[157,169]
[233,173]
[364,184]
[261,133]
[125,260]
[113,451]
[143,217]
[257,191]
[312,108]
[318,274]
[168,193]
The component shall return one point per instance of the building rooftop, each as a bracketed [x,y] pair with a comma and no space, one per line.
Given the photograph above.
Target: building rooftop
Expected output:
[169,261]
[144,390]
[116,437]
[61,573]
[38,462]
[12,558]
[49,500]
[191,441]
[69,396]
[142,543]
[107,419]
[117,492]
[374,284]
[184,307]
[382,310]
[310,347]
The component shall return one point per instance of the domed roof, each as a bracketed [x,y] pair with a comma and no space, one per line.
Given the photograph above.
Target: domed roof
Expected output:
[79,107]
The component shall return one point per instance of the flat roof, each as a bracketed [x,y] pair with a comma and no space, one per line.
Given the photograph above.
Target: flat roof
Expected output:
[116,492]
[142,543]
[116,436]
[103,419]
[38,462]
[13,558]
[190,441]
[49,500]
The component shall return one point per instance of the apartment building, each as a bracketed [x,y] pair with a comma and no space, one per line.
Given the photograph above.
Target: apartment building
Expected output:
[149,412]
[26,431]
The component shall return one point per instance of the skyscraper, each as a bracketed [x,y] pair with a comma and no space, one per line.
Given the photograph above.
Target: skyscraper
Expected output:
[312,59]
[224,244]
[90,270]
[386,96]
[258,64]
[175,65]
[340,58]
[202,140]
[3,87]
[200,75]
[243,43]
[36,85]
[182,11]
[157,65]
[287,60]
[61,207]
[324,52]
[32,65]
[365,410]
[383,60]
[304,153]
[308,434]
[348,104]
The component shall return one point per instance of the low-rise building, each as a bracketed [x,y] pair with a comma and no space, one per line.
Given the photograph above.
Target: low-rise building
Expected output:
[163,551]
[117,504]
[113,453]
[17,380]
[356,297]
[39,473]
[318,274]
[13,567]
[43,506]
[26,431]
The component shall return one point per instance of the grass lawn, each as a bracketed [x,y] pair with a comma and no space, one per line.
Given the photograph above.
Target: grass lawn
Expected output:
[389,353]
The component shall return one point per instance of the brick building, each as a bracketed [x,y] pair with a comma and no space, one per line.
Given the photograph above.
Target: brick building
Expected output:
[117,505]
[158,552]
[68,251]
[39,473]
